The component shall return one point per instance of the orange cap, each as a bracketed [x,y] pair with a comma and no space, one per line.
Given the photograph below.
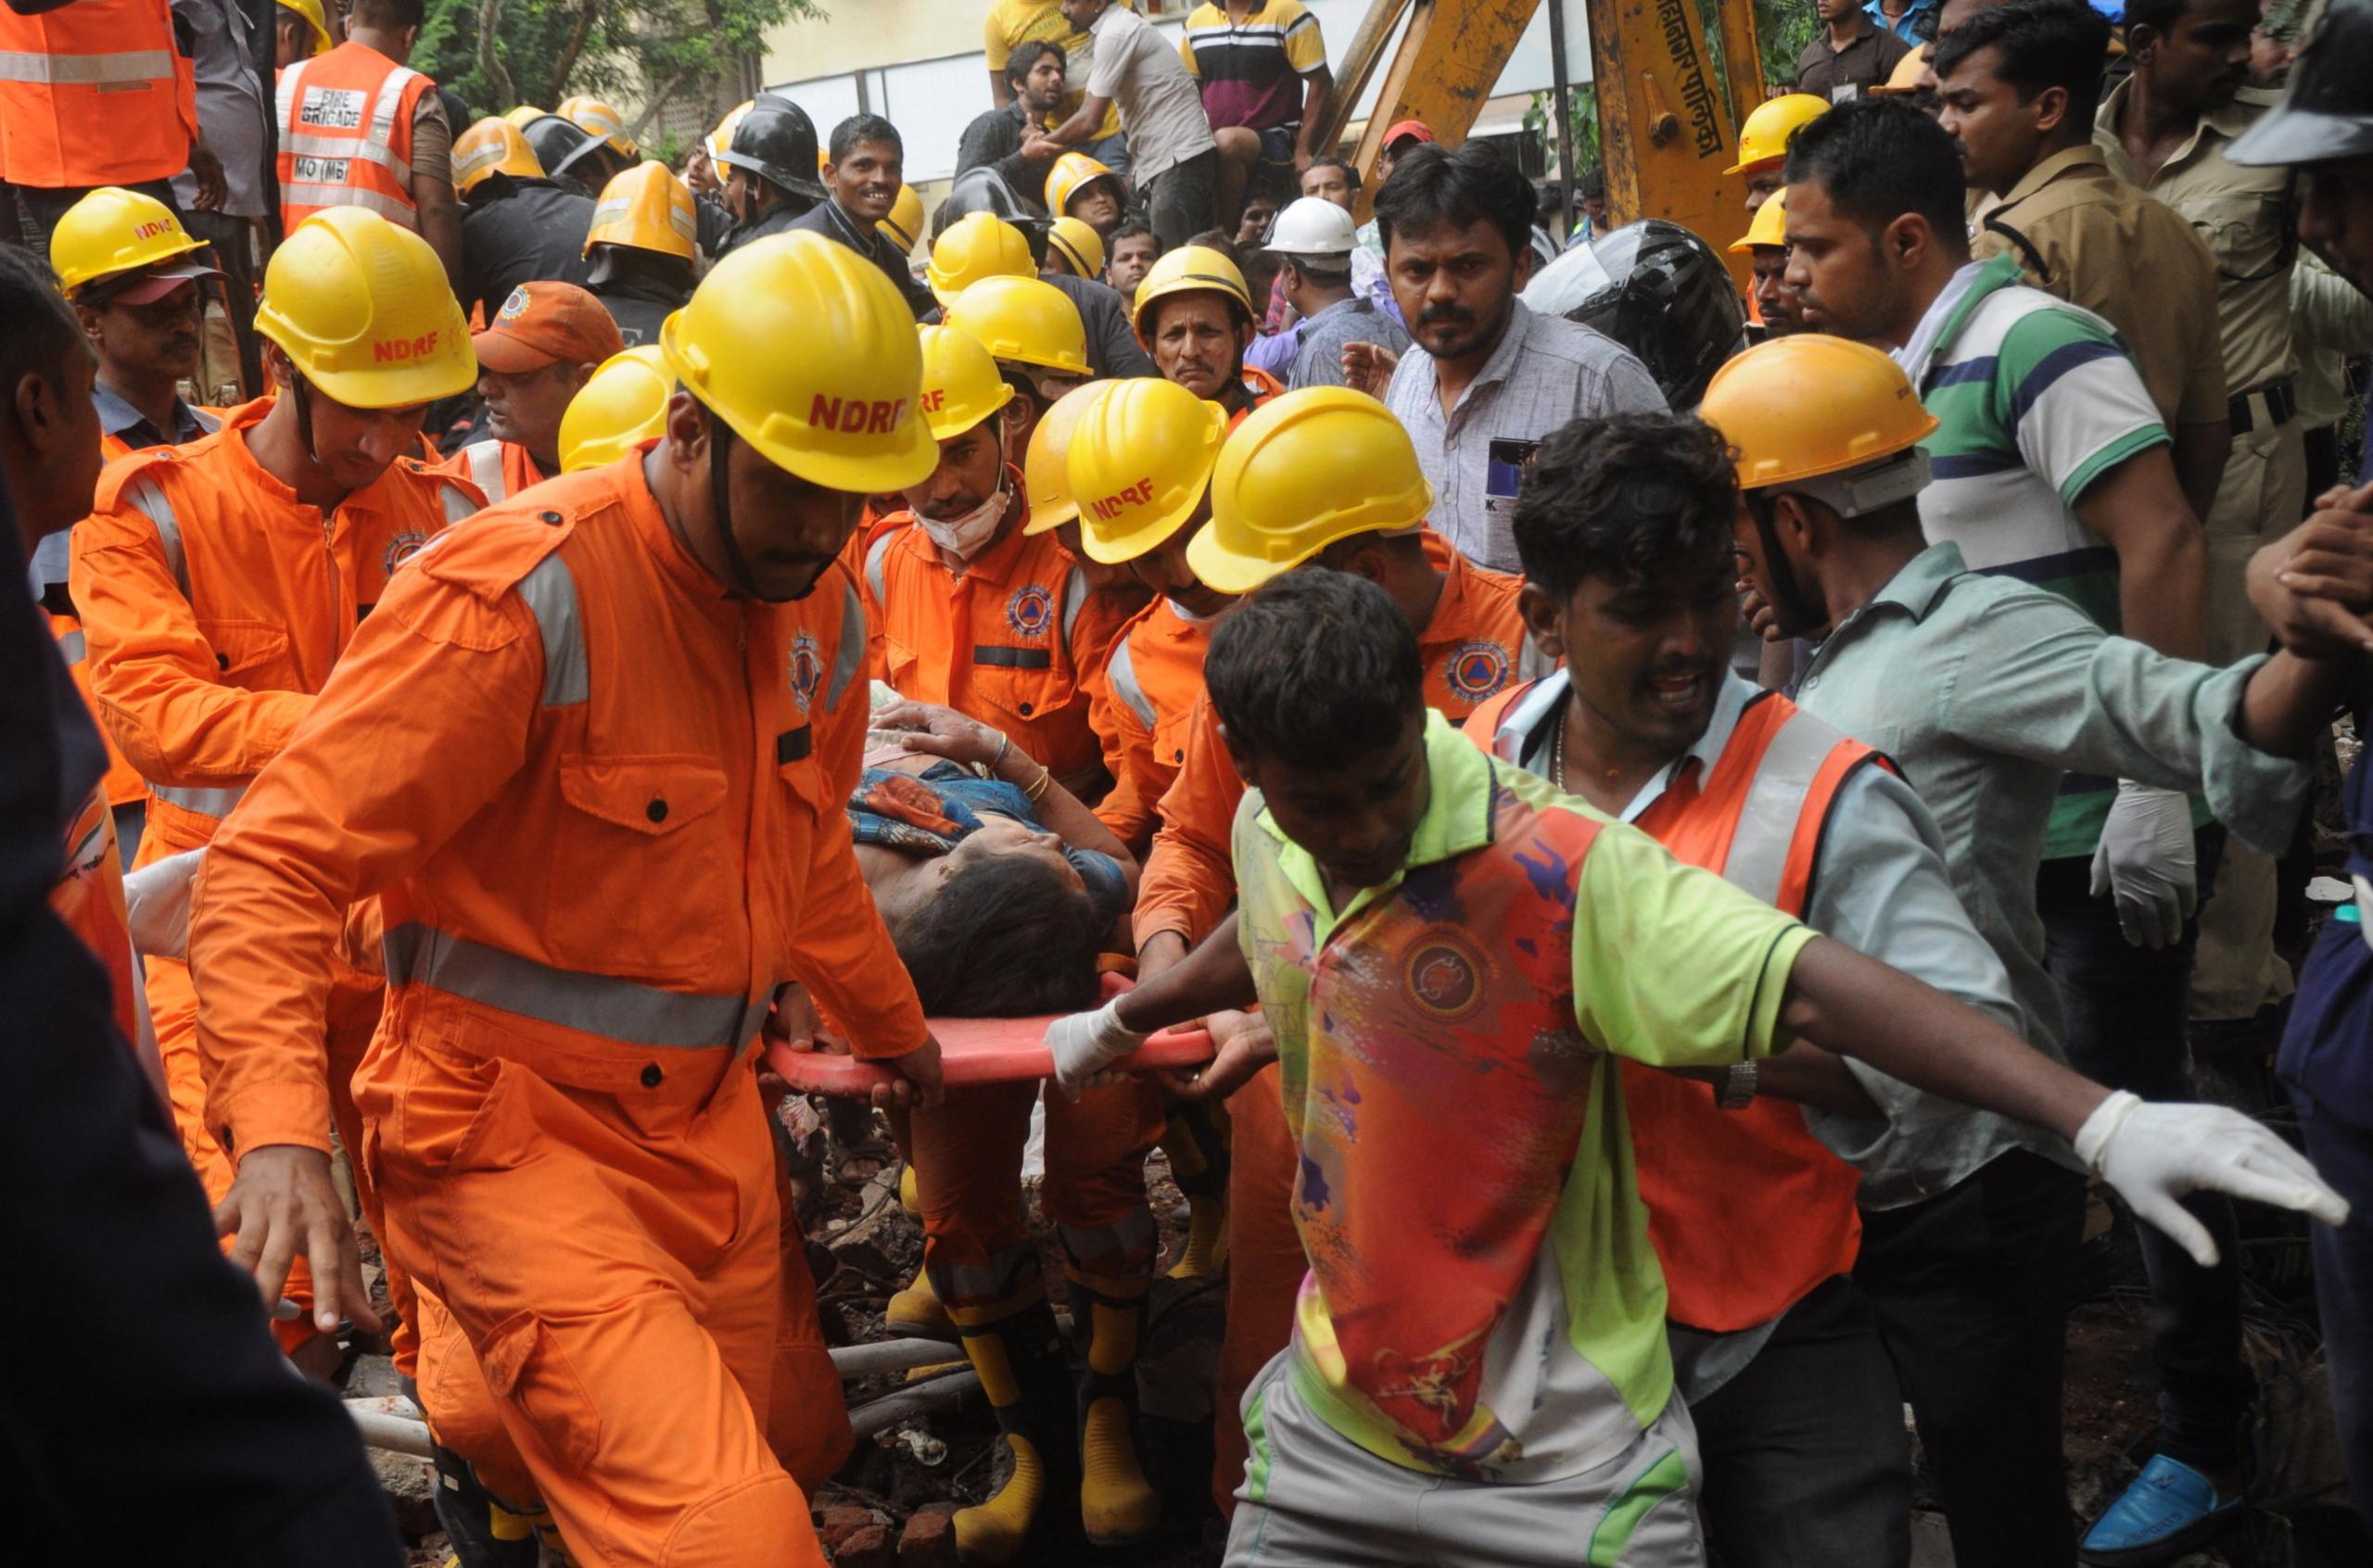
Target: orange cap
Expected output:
[543,323]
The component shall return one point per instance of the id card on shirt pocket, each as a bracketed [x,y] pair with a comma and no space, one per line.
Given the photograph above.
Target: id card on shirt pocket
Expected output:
[1504,463]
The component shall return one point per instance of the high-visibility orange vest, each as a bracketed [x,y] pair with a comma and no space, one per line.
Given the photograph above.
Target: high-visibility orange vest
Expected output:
[500,469]
[94,93]
[346,135]
[1748,1211]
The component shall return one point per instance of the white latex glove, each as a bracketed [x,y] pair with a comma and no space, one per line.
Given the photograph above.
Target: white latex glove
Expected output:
[1085,1044]
[2155,1154]
[2146,860]
[156,905]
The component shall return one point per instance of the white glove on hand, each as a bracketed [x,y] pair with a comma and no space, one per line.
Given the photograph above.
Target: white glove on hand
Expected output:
[156,905]
[2146,859]
[1085,1044]
[2155,1154]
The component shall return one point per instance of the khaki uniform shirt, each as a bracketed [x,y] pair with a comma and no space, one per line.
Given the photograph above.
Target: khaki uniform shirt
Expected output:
[2245,217]
[2085,236]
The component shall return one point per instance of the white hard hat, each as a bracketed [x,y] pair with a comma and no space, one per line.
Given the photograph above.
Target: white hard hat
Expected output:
[1311,226]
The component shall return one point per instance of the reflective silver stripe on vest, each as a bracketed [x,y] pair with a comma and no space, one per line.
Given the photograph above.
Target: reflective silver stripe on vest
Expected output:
[1775,804]
[87,70]
[308,193]
[485,462]
[381,150]
[458,501]
[616,1010]
[1074,600]
[72,648]
[851,653]
[874,569]
[206,803]
[285,99]
[549,592]
[1120,673]
[150,500]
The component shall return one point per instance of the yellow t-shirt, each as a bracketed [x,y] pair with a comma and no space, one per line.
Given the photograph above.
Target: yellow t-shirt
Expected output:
[1012,22]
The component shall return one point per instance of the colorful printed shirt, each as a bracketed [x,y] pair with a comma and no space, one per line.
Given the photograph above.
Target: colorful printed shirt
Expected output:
[1250,72]
[1488,1305]
[927,815]
[2036,399]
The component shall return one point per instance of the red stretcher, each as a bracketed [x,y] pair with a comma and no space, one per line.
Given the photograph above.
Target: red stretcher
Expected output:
[979,1051]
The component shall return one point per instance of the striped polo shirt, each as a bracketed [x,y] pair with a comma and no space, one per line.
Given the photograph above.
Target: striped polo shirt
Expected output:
[2036,399]
[1251,71]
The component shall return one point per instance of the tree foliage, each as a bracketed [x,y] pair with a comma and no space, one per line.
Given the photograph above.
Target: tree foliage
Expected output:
[543,51]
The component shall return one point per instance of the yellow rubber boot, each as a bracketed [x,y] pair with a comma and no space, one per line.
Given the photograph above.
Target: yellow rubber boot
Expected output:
[917,1312]
[1196,1148]
[1116,1507]
[1018,1353]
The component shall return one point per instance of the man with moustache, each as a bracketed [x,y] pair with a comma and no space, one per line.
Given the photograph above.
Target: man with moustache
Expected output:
[864,170]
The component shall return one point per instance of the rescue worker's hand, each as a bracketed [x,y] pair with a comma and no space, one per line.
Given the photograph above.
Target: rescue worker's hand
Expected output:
[1369,367]
[1085,1044]
[2313,584]
[2155,1154]
[796,1024]
[283,1200]
[1162,950]
[207,169]
[2145,861]
[920,1081]
[1760,619]
[941,732]
[1039,148]
[1245,1046]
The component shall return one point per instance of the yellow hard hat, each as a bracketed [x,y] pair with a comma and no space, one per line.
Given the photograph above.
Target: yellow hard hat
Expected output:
[311,11]
[646,208]
[524,115]
[1909,72]
[1302,471]
[722,137]
[1764,137]
[1190,268]
[904,224]
[1799,407]
[1138,463]
[1080,246]
[977,246]
[1071,173]
[808,352]
[595,118]
[1046,471]
[362,308]
[493,147]
[1024,320]
[961,385]
[111,231]
[622,404]
[1768,230]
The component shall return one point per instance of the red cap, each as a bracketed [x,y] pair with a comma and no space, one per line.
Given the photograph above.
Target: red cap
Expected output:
[542,324]
[1416,128]
[147,287]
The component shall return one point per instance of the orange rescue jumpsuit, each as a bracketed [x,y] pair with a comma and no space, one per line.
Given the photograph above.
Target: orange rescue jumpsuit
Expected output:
[593,795]
[214,605]
[1004,643]
[1152,677]
[1473,647]
[499,470]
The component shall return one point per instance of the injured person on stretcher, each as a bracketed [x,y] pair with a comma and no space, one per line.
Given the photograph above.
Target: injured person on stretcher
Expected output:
[999,888]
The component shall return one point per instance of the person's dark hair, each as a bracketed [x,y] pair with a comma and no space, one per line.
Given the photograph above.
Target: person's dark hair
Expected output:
[1131,228]
[42,329]
[2158,14]
[393,15]
[1431,189]
[2040,43]
[1221,240]
[1878,158]
[1594,184]
[1312,667]
[864,128]
[1316,275]
[1350,173]
[1024,59]
[1625,497]
[1007,937]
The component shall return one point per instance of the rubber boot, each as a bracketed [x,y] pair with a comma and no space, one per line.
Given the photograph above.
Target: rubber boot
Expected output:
[1018,1353]
[1198,1154]
[1117,1509]
[481,1531]
[916,1312]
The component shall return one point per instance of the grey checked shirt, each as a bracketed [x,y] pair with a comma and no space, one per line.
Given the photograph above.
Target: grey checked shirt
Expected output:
[1545,373]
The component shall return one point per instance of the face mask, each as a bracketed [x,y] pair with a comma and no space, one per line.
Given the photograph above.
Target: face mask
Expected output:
[965,536]
[1189,616]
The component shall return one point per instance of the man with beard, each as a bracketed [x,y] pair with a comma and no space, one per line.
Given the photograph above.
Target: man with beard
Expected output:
[1034,74]
[1488,378]
[863,174]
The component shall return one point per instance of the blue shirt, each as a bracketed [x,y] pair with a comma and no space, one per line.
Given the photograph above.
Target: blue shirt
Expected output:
[1917,25]
[931,813]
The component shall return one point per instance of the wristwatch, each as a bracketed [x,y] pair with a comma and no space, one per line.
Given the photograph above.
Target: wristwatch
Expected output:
[1737,1091]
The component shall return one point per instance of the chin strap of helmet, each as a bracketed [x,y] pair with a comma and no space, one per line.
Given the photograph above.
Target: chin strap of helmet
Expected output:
[1797,614]
[721,451]
[304,405]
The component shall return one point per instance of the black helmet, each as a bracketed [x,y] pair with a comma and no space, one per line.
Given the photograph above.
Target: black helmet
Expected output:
[2327,111]
[1659,291]
[776,141]
[558,144]
[983,189]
